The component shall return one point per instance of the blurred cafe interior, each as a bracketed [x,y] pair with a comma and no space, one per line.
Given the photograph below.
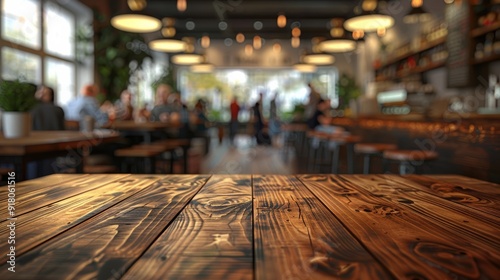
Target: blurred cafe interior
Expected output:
[250,139]
[421,78]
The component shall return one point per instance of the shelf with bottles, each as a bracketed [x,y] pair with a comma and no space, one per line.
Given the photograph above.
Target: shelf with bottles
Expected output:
[487,47]
[416,64]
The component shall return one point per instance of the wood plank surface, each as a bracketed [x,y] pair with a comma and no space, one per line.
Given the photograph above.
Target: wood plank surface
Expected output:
[476,194]
[412,233]
[40,225]
[296,237]
[111,241]
[34,194]
[210,239]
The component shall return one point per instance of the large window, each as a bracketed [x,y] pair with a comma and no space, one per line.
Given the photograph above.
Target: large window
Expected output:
[38,44]
[21,22]
[21,65]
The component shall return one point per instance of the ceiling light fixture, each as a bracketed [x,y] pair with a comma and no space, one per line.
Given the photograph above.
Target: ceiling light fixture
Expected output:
[205,41]
[167,45]
[358,34]
[339,43]
[296,32]
[181,5]
[295,42]
[305,68]
[369,20]
[136,22]
[281,21]
[257,42]
[319,59]
[417,13]
[187,59]
[248,49]
[240,38]
[202,68]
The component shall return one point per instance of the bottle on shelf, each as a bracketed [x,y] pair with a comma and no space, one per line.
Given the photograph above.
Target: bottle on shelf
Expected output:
[488,44]
[479,53]
[496,44]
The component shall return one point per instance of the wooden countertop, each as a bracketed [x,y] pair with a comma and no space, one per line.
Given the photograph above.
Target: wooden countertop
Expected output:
[253,227]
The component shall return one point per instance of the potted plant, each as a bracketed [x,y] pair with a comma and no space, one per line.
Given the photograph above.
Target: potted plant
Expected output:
[16,100]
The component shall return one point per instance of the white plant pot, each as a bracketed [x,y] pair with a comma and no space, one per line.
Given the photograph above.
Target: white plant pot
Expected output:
[16,124]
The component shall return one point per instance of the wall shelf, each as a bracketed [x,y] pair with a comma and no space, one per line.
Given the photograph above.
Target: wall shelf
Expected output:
[477,32]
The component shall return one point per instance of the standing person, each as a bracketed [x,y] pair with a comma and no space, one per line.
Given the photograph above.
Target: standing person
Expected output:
[234,107]
[123,107]
[46,115]
[258,124]
[314,98]
[86,105]
[274,122]
[201,123]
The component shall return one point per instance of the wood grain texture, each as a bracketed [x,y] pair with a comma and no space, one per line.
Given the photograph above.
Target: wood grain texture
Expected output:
[108,243]
[40,225]
[473,193]
[409,234]
[215,228]
[35,194]
[296,237]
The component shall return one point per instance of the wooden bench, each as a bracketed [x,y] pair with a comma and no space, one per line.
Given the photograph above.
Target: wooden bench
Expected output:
[368,150]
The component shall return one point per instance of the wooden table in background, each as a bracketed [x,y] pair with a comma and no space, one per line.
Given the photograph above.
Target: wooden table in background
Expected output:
[254,227]
[145,129]
[51,144]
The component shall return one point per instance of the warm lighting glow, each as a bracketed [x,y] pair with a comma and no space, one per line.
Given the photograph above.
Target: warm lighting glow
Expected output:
[417,13]
[295,42]
[277,48]
[337,45]
[205,41]
[187,59]
[181,5]
[167,45]
[189,48]
[281,21]
[136,5]
[202,68]
[168,32]
[240,38]
[319,59]
[337,32]
[257,42]
[305,68]
[168,21]
[369,22]
[136,23]
[381,32]
[296,32]
[248,50]
[358,34]
[369,5]
[449,1]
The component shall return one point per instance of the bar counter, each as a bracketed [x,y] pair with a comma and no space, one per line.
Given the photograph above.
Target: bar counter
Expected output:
[467,144]
[121,226]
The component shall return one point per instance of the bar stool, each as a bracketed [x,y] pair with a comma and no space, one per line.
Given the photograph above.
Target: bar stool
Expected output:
[317,140]
[368,150]
[409,159]
[348,141]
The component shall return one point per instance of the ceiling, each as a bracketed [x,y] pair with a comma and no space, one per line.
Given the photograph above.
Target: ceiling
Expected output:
[313,16]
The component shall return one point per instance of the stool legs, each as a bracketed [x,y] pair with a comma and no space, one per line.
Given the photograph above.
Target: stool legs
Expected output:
[366,164]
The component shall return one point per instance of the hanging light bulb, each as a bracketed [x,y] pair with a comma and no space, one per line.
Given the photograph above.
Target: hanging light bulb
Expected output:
[136,5]
[205,41]
[257,42]
[248,50]
[295,42]
[381,32]
[358,34]
[277,48]
[281,21]
[181,5]
[296,32]
[168,32]
[240,38]
[417,13]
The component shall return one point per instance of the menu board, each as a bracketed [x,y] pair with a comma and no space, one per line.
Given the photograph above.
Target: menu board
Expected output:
[459,45]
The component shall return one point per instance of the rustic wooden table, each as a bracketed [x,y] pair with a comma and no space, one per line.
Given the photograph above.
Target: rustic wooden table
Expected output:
[252,227]
[50,144]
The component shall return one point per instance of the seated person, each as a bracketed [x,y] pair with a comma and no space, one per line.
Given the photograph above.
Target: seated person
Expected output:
[46,115]
[124,110]
[86,105]
[161,110]
[320,116]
